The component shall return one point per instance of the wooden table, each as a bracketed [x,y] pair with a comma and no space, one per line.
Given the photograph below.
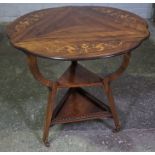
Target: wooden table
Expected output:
[73,34]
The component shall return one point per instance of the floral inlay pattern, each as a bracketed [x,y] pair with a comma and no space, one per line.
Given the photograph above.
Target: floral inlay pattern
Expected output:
[26,22]
[77,32]
[119,15]
[73,49]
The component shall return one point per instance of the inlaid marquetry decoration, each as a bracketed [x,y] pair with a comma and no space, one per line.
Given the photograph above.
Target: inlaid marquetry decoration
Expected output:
[78,32]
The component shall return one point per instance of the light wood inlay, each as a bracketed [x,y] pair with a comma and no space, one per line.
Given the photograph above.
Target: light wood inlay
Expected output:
[78,32]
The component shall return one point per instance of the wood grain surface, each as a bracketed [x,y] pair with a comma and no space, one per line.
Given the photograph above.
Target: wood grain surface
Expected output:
[76,33]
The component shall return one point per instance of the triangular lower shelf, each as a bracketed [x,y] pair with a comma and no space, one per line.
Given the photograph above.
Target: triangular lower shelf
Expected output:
[77,75]
[79,105]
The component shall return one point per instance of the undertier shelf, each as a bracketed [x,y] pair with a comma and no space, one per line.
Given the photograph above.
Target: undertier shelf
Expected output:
[79,105]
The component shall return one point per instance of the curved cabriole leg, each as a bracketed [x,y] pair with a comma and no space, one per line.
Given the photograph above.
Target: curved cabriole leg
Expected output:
[121,69]
[108,90]
[33,66]
[32,62]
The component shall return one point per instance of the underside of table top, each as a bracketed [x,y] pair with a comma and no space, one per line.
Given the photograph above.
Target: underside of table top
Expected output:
[76,33]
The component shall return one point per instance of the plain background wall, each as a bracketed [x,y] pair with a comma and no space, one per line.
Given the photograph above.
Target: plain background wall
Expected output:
[9,12]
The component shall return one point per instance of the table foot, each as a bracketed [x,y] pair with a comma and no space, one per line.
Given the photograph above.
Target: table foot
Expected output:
[47,144]
[117,129]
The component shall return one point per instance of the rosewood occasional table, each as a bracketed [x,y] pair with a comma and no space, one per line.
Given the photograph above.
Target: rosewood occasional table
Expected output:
[73,34]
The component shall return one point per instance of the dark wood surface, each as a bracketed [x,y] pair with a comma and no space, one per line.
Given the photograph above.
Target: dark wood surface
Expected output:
[80,105]
[77,104]
[76,33]
[70,33]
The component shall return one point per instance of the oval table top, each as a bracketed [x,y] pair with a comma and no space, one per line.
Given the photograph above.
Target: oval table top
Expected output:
[76,33]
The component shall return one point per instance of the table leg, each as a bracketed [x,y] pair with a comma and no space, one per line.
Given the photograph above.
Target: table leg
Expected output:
[105,82]
[33,66]
[49,113]
[108,91]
